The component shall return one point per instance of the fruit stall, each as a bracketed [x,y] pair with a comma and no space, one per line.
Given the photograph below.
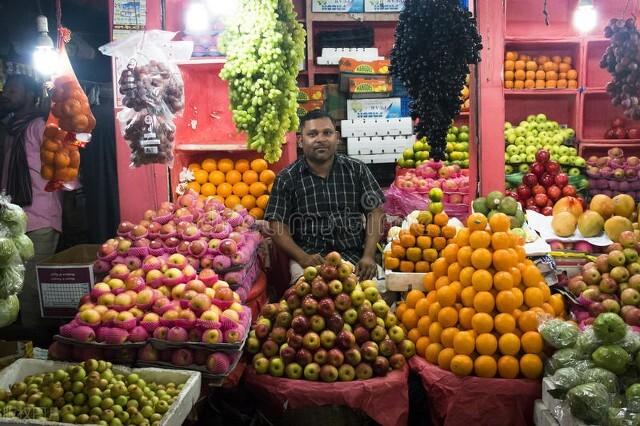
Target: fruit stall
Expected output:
[511,173]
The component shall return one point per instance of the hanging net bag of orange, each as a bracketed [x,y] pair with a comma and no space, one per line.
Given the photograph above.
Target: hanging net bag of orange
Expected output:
[68,129]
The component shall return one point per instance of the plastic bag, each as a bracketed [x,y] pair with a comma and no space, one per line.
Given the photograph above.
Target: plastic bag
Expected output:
[612,357]
[402,203]
[564,379]
[567,357]
[24,246]
[589,402]
[68,128]
[152,90]
[600,375]
[558,333]
[11,280]
[587,342]
[13,217]
[9,309]
[631,342]
[622,417]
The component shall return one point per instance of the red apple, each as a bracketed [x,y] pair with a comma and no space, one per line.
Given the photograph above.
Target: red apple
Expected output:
[554,192]
[542,156]
[610,134]
[547,211]
[537,169]
[523,192]
[541,200]
[539,189]
[618,122]
[561,180]
[530,203]
[634,133]
[569,191]
[620,133]
[547,179]
[530,180]
[552,167]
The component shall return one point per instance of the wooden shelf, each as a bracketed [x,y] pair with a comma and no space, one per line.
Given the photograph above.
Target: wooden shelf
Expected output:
[211,147]
[353,17]
[540,92]
[203,61]
[601,142]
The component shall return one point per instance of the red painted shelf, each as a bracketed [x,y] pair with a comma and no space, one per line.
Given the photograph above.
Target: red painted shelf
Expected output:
[540,92]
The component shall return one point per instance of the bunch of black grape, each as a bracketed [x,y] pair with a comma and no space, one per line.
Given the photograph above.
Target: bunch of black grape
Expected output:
[621,59]
[435,42]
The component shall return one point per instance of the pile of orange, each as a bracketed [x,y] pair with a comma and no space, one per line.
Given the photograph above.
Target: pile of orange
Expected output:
[60,157]
[414,249]
[245,182]
[482,306]
[540,72]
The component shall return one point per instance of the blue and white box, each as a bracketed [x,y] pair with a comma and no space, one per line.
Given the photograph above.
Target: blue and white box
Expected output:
[374,108]
[333,6]
[387,6]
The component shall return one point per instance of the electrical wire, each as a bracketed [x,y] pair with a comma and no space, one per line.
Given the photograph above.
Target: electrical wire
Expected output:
[545,12]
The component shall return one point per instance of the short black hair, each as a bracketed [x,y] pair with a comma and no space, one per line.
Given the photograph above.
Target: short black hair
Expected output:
[29,83]
[315,115]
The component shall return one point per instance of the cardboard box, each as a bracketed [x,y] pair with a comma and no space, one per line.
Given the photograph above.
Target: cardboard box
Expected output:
[313,93]
[64,278]
[332,55]
[374,108]
[376,158]
[332,6]
[367,145]
[305,107]
[386,6]
[175,416]
[363,88]
[376,127]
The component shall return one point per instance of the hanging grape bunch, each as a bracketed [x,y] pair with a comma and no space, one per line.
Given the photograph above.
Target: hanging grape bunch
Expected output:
[621,59]
[264,48]
[435,42]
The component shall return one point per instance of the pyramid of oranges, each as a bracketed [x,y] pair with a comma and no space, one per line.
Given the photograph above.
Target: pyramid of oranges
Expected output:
[234,182]
[540,72]
[482,305]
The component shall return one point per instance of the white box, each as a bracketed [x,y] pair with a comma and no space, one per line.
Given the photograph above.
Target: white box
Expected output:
[175,416]
[332,55]
[376,127]
[542,416]
[378,145]
[386,6]
[376,158]
[374,108]
[332,6]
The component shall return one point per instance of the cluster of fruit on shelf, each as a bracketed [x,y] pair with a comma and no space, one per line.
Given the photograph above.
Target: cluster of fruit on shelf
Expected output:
[482,304]
[544,184]
[88,393]
[242,182]
[416,248]
[611,215]
[203,360]
[452,180]
[329,327]
[464,95]
[591,369]
[539,72]
[457,150]
[207,234]
[619,130]
[537,132]
[496,202]
[614,173]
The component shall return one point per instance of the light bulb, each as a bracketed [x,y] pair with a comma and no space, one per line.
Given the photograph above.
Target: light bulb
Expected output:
[46,61]
[222,8]
[585,16]
[196,18]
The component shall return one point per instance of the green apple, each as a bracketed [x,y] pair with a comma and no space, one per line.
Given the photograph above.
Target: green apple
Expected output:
[524,168]
[512,149]
[531,158]
[463,136]
[541,118]
[520,131]
[564,159]
[464,128]
[418,146]
[449,148]
[574,171]
[507,125]
[520,140]
[407,154]
[465,164]
[569,132]
[454,130]
[522,150]
[531,118]
[410,163]
[508,169]
[579,162]
[515,159]
[531,149]
[451,137]
[573,152]
[563,150]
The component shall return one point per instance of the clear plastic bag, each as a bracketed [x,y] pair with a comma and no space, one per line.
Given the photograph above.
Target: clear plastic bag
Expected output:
[11,280]
[600,375]
[558,333]
[12,217]
[564,379]
[587,342]
[9,309]
[152,92]
[24,246]
[589,402]
[567,357]
[401,203]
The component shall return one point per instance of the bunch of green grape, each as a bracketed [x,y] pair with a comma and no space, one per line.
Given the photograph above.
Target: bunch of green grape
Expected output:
[264,46]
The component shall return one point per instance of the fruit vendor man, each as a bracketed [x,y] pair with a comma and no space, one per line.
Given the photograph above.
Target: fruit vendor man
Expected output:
[326,202]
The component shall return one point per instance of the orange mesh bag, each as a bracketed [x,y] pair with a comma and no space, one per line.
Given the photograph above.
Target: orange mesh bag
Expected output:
[68,128]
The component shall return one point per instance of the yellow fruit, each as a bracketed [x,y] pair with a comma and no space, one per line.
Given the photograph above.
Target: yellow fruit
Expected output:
[508,367]
[461,365]
[444,358]
[486,344]
[532,342]
[531,366]
[509,344]
[485,366]
[464,343]
[482,323]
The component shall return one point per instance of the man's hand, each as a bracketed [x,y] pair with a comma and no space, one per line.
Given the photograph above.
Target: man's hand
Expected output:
[311,260]
[366,268]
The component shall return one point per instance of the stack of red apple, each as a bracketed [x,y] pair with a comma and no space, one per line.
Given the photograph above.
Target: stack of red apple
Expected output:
[619,130]
[208,234]
[544,185]
[162,301]
[213,362]
[329,327]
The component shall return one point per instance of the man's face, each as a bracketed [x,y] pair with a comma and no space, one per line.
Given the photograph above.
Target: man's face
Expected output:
[14,96]
[319,140]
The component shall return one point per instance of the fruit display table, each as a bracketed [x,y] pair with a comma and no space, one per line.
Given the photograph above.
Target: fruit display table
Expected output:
[384,399]
[474,400]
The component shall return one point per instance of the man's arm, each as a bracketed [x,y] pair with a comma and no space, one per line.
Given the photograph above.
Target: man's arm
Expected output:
[366,268]
[281,235]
